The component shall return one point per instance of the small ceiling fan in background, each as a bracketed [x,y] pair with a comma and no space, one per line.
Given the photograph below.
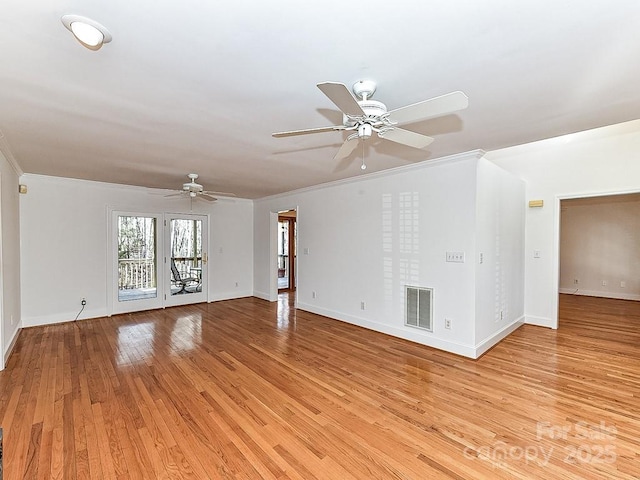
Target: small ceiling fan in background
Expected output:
[194,190]
[364,116]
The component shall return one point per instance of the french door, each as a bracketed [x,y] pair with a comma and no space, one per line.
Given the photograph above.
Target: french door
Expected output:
[186,259]
[158,260]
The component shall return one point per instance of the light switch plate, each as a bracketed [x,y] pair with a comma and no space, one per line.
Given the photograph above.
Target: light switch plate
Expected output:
[455,257]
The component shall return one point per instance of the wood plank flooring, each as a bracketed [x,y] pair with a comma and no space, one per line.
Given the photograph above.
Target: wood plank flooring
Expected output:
[253,390]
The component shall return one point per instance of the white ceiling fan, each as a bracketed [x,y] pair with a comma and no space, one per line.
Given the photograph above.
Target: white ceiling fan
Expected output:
[195,190]
[364,116]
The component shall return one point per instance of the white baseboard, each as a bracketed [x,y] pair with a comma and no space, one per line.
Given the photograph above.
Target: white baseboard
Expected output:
[406,333]
[262,295]
[96,313]
[230,296]
[62,317]
[494,339]
[12,345]
[597,293]
[539,321]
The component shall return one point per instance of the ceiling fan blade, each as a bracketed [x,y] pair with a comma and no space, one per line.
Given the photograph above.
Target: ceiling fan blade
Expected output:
[406,137]
[434,107]
[222,194]
[206,197]
[308,130]
[340,95]
[347,147]
[178,194]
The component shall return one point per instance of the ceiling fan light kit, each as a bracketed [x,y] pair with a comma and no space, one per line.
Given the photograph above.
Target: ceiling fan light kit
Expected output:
[364,131]
[364,116]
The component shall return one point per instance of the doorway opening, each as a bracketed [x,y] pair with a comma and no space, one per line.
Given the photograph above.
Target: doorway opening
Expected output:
[287,235]
[599,253]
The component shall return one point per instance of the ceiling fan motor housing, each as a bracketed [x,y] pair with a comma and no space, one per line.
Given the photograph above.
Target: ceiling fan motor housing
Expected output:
[373,111]
[192,187]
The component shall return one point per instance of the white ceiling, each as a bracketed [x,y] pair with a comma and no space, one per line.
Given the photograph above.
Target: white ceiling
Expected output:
[199,86]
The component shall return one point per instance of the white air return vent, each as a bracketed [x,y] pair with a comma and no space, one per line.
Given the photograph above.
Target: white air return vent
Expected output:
[419,307]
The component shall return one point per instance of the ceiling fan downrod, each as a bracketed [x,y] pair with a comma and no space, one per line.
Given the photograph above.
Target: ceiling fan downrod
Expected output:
[364,89]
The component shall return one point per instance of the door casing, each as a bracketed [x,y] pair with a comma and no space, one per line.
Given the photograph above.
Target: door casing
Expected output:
[163,267]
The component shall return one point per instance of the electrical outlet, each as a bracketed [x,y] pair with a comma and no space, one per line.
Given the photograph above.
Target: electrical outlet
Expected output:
[447,323]
[623,284]
[83,302]
[361,305]
[237,284]
[313,294]
[576,281]
[604,283]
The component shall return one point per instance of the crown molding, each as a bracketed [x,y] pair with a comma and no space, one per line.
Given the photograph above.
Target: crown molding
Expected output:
[458,157]
[6,152]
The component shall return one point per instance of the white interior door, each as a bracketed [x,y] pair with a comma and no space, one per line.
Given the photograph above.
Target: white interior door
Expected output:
[186,255]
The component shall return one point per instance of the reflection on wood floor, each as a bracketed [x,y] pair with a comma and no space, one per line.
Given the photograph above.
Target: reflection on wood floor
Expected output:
[250,389]
[283,282]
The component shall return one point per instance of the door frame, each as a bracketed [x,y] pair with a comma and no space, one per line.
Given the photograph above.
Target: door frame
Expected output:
[273,254]
[203,295]
[163,268]
[293,259]
[556,253]
[115,305]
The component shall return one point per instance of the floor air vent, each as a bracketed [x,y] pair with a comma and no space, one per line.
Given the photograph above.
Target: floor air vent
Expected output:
[419,307]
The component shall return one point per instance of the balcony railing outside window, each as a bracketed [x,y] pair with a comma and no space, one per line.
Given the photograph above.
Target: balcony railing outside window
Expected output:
[136,274]
[141,273]
[186,264]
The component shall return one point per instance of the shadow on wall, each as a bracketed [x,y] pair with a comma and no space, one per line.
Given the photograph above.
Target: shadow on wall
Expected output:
[406,270]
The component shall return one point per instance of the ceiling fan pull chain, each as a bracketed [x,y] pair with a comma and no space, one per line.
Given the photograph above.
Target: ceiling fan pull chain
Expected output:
[363,167]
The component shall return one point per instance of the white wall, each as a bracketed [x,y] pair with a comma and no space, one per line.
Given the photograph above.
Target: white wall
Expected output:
[595,162]
[500,242]
[368,237]
[9,257]
[264,243]
[64,255]
[600,243]
[231,258]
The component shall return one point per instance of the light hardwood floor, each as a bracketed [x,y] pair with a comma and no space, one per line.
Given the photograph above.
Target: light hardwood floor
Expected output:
[244,389]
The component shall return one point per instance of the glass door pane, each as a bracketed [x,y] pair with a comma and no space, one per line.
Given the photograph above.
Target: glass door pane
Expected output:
[187,258]
[137,272]
[136,276]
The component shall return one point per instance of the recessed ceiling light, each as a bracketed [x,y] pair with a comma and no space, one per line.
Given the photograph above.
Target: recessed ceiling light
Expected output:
[88,32]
